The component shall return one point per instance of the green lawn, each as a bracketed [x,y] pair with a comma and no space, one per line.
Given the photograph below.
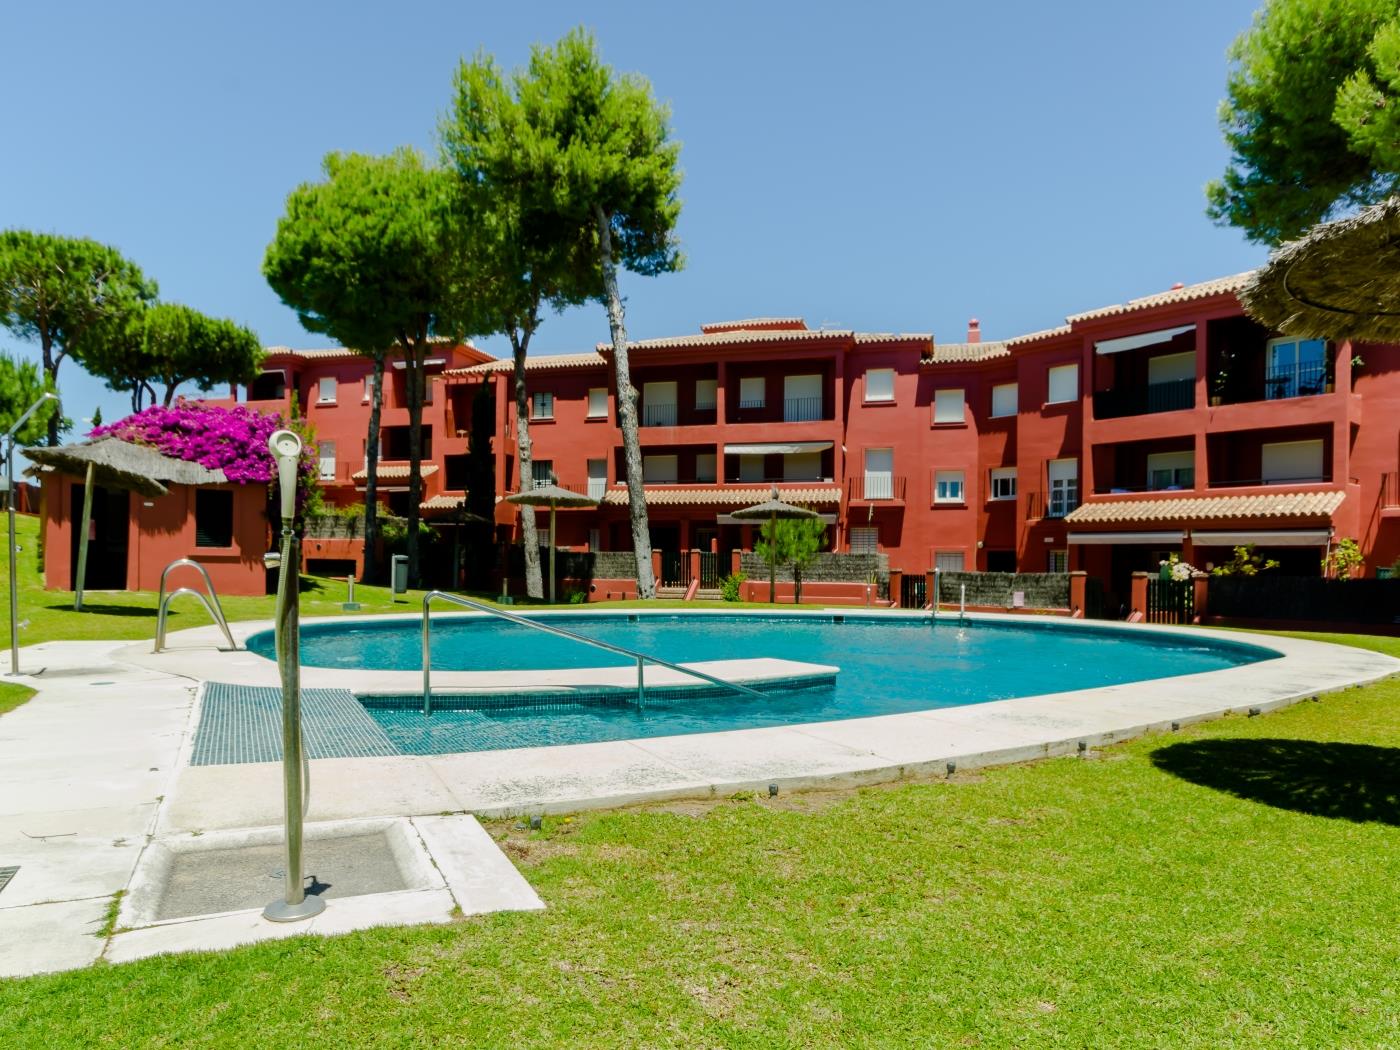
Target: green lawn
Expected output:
[49,615]
[12,695]
[1233,884]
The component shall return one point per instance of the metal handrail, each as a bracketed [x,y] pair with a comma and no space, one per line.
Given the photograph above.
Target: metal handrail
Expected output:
[538,625]
[210,603]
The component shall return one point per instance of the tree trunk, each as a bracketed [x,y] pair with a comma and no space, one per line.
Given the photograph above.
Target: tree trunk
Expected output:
[415,351]
[51,374]
[626,412]
[529,532]
[376,403]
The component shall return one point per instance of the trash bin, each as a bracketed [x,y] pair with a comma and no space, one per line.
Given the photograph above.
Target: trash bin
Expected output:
[398,574]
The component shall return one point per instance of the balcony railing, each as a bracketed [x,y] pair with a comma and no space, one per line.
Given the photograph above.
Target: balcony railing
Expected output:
[1239,483]
[1300,380]
[597,487]
[1145,400]
[659,415]
[773,479]
[875,488]
[802,409]
[749,405]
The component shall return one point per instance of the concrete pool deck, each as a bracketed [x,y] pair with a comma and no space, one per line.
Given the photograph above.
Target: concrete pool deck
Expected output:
[97,764]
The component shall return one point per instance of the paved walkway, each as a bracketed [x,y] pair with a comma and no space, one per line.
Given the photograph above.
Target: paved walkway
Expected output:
[99,760]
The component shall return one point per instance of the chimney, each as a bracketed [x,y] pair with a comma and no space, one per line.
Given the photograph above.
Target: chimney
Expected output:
[974,331]
[1178,286]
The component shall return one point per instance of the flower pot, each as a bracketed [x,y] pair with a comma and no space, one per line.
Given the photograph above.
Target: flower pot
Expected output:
[1215,400]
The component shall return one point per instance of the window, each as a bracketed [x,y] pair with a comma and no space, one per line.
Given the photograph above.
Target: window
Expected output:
[802,466]
[802,398]
[948,561]
[1003,483]
[705,467]
[706,392]
[455,473]
[325,453]
[948,486]
[659,404]
[660,470]
[325,391]
[598,402]
[1171,470]
[368,388]
[879,473]
[752,392]
[541,472]
[1172,368]
[1287,462]
[1004,400]
[1063,475]
[948,406]
[427,390]
[542,405]
[865,539]
[269,386]
[595,540]
[213,518]
[750,467]
[879,384]
[597,478]
[1057,561]
[1296,368]
[1064,384]
[393,443]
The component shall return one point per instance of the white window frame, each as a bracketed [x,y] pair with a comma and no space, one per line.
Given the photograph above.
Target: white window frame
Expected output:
[597,402]
[1004,412]
[878,483]
[753,392]
[1054,557]
[949,486]
[325,455]
[542,404]
[369,388]
[597,478]
[541,472]
[1002,484]
[949,407]
[325,386]
[1062,494]
[1060,372]
[879,385]
[950,561]
[1277,387]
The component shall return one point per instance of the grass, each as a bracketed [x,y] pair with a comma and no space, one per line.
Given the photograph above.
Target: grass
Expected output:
[131,615]
[1150,895]
[12,695]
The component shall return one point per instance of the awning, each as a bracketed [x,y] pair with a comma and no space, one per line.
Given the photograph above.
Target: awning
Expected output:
[785,448]
[1166,538]
[1137,342]
[1262,538]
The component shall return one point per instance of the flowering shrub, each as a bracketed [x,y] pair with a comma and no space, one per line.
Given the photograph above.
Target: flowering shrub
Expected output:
[1176,569]
[233,440]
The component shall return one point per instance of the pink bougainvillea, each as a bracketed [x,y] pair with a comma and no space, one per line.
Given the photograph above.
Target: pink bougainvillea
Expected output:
[232,439]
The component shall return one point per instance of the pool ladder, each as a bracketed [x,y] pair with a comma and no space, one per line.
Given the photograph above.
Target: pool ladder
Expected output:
[210,603]
[641,658]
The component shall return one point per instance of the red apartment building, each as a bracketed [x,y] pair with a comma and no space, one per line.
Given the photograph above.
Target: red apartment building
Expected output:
[1167,424]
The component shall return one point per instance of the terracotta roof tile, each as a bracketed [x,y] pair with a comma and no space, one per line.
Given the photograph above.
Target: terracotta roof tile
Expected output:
[1185,294]
[725,495]
[393,472]
[736,338]
[1209,508]
[1036,337]
[954,353]
[791,324]
[544,362]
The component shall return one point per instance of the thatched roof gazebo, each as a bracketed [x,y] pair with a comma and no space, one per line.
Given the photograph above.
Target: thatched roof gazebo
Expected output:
[773,508]
[1340,280]
[552,496]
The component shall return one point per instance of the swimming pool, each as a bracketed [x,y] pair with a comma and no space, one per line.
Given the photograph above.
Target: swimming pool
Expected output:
[889,665]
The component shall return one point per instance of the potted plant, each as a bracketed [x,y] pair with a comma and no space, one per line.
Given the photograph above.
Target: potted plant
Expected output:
[1220,378]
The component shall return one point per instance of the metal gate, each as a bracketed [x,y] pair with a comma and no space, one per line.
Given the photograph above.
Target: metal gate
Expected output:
[675,569]
[709,570]
[913,591]
[1170,601]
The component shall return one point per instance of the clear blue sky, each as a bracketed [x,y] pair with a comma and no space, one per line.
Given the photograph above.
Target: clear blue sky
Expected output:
[877,166]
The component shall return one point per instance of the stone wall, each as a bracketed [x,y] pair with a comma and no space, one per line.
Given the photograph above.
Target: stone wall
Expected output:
[828,567]
[1043,590]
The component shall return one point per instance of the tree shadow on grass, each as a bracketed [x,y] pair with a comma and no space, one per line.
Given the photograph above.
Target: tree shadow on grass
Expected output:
[1358,782]
[105,610]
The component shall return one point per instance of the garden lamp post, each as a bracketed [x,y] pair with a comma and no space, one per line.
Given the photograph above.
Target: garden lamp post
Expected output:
[295,904]
[10,436]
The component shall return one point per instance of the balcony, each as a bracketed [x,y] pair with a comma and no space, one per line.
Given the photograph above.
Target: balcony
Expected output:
[801,409]
[660,415]
[875,488]
[1060,502]
[1301,380]
[1324,478]
[1147,399]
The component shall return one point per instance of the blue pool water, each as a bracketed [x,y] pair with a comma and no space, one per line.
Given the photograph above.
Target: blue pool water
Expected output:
[887,667]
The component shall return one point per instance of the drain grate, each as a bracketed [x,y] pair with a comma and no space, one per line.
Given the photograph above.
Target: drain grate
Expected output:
[6,874]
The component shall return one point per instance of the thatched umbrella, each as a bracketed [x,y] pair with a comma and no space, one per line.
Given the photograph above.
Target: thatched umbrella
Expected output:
[773,508]
[117,464]
[553,497]
[1339,280]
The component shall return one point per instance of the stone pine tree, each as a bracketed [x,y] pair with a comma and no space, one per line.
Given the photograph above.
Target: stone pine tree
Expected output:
[21,384]
[591,163]
[71,295]
[1311,116]
[532,256]
[371,257]
[172,345]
